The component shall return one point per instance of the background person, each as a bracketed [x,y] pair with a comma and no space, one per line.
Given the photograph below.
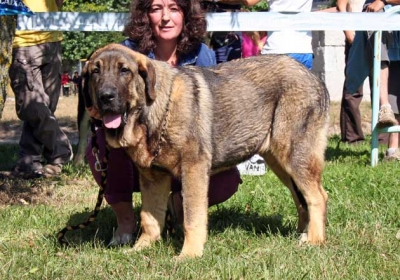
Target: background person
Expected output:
[171,31]
[253,42]
[226,44]
[296,44]
[65,80]
[360,63]
[76,79]
[393,153]
[36,82]
[350,116]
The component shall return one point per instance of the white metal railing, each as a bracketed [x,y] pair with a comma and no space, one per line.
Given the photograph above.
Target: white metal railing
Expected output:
[376,92]
[238,21]
[246,21]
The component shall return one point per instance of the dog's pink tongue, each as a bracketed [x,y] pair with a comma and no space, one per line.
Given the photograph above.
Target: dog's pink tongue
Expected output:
[112,120]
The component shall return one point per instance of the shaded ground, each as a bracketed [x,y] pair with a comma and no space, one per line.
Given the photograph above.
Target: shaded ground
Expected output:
[18,191]
[10,125]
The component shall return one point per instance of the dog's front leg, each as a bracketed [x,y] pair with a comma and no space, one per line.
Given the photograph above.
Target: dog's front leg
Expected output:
[195,180]
[155,189]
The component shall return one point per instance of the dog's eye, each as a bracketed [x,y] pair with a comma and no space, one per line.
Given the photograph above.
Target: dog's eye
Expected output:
[95,70]
[124,69]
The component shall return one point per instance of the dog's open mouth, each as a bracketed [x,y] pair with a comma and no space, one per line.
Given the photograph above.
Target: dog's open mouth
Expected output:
[112,120]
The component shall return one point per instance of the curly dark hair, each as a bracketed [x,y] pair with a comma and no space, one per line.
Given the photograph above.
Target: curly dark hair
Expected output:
[139,30]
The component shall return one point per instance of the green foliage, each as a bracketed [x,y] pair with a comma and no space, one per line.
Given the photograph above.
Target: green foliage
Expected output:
[96,5]
[260,6]
[79,45]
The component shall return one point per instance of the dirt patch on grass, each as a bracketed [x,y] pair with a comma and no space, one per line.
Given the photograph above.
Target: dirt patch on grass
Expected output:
[17,191]
[25,192]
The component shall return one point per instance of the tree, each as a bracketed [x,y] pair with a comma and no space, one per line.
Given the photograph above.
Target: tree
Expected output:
[78,45]
[260,6]
[7,30]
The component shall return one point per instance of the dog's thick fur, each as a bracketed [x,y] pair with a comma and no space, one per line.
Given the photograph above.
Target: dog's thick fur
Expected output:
[189,122]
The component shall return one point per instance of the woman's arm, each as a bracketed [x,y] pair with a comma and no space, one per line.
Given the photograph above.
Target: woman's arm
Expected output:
[378,5]
[343,7]
[205,56]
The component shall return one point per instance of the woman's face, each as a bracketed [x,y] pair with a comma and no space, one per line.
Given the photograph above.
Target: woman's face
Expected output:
[166,19]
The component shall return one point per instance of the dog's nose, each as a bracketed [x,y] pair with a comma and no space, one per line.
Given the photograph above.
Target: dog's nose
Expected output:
[107,96]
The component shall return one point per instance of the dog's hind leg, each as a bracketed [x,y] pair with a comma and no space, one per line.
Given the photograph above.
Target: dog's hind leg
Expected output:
[306,166]
[304,183]
[155,189]
[298,198]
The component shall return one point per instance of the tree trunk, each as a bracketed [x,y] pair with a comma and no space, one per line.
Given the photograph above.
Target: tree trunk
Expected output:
[7,30]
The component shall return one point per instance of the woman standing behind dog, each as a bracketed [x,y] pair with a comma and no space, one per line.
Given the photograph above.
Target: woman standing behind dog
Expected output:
[171,31]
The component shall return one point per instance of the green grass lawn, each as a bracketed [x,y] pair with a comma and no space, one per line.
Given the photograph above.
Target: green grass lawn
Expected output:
[251,236]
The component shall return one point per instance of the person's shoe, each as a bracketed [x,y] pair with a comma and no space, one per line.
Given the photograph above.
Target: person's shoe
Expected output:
[355,143]
[52,170]
[386,117]
[22,170]
[120,240]
[393,157]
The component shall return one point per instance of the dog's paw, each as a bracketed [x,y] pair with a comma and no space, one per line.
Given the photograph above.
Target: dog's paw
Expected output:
[306,238]
[190,252]
[142,243]
[184,257]
[303,238]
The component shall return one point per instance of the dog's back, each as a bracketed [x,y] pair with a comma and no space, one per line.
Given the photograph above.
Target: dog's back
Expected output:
[292,102]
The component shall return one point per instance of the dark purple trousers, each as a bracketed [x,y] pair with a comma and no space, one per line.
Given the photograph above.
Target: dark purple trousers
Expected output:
[123,177]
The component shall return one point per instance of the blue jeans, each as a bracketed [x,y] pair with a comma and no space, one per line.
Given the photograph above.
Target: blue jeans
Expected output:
[304,58]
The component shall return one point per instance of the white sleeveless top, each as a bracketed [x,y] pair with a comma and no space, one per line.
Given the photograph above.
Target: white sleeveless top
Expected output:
[289,41]
[356,5]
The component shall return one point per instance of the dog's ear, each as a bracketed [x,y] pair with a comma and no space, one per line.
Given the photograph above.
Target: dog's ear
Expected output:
[148,74]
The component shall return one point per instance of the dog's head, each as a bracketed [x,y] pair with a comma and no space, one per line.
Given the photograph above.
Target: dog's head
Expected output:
[118,82]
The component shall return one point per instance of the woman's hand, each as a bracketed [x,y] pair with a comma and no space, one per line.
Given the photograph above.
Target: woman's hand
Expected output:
[349,36]
[375,6]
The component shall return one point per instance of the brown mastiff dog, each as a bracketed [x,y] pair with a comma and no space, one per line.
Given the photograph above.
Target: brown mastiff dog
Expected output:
[189,122]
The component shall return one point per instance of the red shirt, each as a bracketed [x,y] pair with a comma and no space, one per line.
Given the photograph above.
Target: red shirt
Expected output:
[65,79]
